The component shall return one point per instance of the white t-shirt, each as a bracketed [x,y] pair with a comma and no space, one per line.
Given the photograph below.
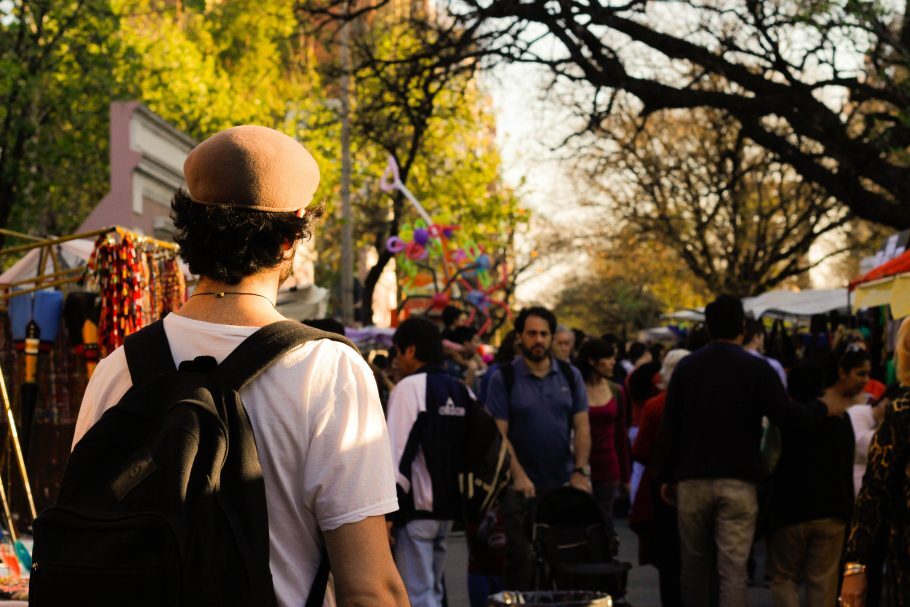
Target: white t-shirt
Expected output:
[408,400]
[319,428]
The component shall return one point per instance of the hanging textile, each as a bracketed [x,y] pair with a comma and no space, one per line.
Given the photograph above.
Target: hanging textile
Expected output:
[138,280]
[114,270]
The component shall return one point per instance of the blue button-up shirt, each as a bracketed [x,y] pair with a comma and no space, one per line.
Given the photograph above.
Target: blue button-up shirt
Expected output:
[540,414]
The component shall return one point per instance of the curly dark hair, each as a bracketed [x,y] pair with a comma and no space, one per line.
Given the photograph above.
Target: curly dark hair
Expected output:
[227,243]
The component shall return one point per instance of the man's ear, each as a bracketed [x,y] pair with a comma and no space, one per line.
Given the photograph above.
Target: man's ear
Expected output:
[300,212]
[411,352]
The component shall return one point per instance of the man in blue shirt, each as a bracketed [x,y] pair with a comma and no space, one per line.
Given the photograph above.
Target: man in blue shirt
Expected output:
[538,402]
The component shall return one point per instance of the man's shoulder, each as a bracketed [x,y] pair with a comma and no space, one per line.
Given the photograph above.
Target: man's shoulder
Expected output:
[411,385]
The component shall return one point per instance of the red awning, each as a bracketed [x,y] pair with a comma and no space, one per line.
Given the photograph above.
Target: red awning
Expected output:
[898,265]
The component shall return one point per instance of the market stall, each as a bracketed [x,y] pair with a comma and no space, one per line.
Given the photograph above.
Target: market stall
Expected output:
[887,284]
[798,304]
[68,302]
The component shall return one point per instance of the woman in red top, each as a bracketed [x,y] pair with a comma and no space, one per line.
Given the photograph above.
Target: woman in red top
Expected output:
[653,521]
[607,413]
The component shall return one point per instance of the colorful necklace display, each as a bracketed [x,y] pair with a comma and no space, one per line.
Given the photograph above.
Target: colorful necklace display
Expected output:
[136,287]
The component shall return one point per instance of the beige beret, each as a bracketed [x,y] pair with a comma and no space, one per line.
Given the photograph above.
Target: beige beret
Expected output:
[253,167]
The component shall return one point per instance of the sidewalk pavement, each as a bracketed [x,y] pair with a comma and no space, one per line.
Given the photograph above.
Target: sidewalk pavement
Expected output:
[643,582]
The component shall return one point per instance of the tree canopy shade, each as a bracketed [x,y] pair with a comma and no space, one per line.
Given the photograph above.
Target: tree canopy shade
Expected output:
[741,220]
[822,84]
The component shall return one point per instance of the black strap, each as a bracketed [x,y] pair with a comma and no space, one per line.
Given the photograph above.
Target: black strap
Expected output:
[508,380]
[262,348]
[566,369]
[148,353]
[320,583]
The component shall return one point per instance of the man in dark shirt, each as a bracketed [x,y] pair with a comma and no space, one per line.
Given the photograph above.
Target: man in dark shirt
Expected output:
[710,452]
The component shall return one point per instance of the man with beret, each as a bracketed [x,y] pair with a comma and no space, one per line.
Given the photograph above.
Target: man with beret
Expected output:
[321,437]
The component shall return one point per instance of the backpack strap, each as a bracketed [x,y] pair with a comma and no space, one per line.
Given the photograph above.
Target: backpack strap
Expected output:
[257,352]
[320,583]
[508,380]
[253,356]
[148,353]
[566,369]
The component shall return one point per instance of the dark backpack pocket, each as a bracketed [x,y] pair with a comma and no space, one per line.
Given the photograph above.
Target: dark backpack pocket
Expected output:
[92,560]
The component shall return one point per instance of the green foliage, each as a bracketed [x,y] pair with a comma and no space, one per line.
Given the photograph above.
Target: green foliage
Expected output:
[56,82]
[205,65]
[205,70]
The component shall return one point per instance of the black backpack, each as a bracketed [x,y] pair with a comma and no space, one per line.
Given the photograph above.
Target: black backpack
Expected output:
[465,453]
[163,501]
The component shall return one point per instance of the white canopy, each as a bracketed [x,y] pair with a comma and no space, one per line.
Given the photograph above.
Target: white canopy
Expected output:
[782,304]
[72,254]
[797,303]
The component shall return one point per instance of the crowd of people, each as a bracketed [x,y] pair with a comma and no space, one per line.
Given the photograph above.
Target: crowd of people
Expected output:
[714,445]
[356,465]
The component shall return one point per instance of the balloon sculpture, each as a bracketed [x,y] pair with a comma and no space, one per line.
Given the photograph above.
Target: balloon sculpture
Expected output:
[441,265]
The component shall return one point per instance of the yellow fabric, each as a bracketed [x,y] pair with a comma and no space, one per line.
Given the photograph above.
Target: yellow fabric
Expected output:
[894,292]
[872,294]
[900,297]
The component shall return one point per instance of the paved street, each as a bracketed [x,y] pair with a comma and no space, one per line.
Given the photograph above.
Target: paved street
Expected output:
[643,586]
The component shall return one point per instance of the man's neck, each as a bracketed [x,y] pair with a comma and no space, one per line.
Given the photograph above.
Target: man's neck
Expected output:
[729,342]
[539,367]
[251,302]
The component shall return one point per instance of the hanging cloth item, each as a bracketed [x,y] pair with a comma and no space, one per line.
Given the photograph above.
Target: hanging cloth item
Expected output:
[114,269]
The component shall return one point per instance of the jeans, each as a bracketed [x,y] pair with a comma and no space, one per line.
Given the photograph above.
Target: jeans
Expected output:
[808,552]
[420,554]
[638,469]
[481,586]
[716,517]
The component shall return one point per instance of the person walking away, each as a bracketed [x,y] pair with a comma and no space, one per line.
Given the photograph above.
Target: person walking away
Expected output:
[320,434]
[754,344]
[812,491]
[607,415]
[538,403]
[709,453]
[882,506]
[651,519]
[426,415]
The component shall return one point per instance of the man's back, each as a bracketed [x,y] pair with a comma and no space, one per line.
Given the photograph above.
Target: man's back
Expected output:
[301,410]
[715,403]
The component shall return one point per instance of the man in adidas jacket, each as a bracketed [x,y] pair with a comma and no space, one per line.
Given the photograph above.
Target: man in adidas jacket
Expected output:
[426,420]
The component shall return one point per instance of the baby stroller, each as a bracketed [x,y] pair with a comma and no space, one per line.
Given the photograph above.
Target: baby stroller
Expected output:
[575,551]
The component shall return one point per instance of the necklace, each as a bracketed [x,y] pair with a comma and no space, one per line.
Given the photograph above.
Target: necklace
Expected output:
[221,294]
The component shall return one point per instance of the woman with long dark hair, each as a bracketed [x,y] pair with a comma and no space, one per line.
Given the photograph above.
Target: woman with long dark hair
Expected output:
[812,487]
[607,414]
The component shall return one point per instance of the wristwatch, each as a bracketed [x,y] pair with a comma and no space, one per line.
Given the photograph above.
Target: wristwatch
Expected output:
[582,470]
